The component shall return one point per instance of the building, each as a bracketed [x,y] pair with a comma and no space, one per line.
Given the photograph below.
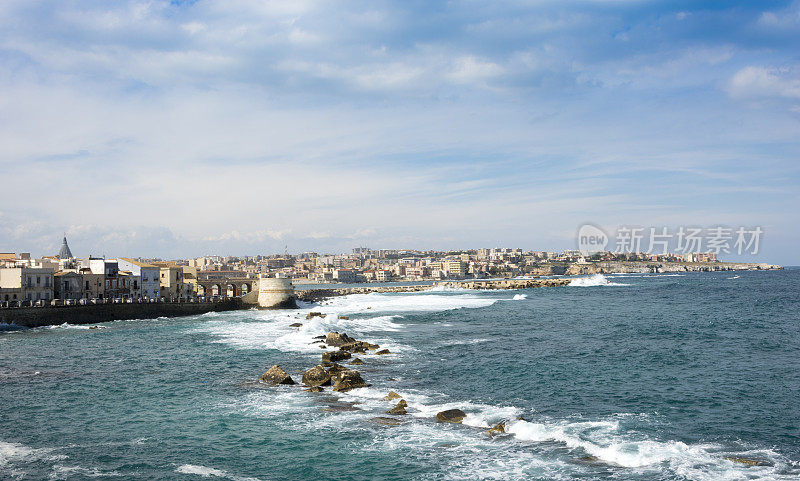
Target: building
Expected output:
[345,275]
[149,277]
[383,275]
[113,286]
[26,284]
[65,252]
[171,279]
[68,285]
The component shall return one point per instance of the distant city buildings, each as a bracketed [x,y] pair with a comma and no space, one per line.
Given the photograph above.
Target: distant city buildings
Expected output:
[64,277]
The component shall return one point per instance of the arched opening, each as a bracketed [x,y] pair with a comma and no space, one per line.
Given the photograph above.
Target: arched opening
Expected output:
[231,290]
[245,289]
[215,290]
[201,290]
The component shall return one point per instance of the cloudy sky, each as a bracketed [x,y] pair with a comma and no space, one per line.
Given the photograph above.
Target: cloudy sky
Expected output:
[176,129]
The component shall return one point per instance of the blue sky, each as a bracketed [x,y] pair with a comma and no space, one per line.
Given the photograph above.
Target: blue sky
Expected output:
[242,127]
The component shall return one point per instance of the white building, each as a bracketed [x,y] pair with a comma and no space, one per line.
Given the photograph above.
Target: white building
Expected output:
[147,274]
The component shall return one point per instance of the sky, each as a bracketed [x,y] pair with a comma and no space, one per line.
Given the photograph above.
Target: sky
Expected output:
[243,127]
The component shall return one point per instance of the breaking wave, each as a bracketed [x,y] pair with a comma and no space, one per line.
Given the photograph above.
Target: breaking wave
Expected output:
[595,280]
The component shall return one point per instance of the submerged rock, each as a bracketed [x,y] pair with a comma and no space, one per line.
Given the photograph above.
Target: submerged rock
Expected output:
[312,315]
[747,461]
[296,324]
[314,389]
[356,362]
[345,318]
[391,395]
[399,409]
[497,429]
[451,416]
[387,421]
[317,376]
[275,375]
[334,356]
[347,380]
[382,352]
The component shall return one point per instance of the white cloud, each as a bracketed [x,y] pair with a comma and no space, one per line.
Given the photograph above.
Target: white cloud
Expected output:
[754,82]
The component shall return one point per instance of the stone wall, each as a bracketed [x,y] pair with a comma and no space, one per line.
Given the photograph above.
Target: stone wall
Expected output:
[90,314]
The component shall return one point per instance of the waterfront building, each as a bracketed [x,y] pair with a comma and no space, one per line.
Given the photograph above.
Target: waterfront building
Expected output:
[171,279]
[26,284]
[345,275]
[68,285]
[149,277]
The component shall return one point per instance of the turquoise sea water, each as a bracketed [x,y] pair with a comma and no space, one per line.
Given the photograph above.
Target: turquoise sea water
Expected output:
[642,377]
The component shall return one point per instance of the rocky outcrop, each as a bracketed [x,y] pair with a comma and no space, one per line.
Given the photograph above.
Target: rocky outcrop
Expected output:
[454,416]
[382,352]
[312,315]
[400,408]
[296,324]
[391,395]
[337,340]
[497,429]
[314,389]
[347,380]
[356,362]
[275,375]
[316,376]
[335,356]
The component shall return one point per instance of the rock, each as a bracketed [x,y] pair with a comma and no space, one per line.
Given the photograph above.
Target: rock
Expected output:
[323,346]
[387,421]
[314,389]
[339,407]
[275,375]
[317,376]
[318,337]
[498,429]
[312,315]
[382,352]
[334,368]
[399,409]
[746,461]
[336,339]
[372,347]
[391,395]
[358,347]
[334,356]
[356,362]
[347,380]
[345,318]
[296,324]
[451,416]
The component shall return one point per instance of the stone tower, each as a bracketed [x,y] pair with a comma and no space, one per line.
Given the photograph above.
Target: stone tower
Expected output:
[65,253]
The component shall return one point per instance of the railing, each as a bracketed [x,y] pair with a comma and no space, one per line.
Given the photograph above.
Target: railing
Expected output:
[17,304]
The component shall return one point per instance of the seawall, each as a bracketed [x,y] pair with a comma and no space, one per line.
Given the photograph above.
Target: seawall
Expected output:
[313,295]
[91,314]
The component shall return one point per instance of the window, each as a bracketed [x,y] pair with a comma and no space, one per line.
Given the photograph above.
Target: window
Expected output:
[87,285]
[38,280]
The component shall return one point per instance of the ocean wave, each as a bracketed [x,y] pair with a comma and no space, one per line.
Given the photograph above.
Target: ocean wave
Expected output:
[595,280]
[207,472]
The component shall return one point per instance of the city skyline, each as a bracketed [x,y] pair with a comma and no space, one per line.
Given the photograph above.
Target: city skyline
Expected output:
[180,129]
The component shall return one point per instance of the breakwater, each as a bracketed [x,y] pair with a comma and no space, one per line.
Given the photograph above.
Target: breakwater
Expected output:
[314,295]
[94,313]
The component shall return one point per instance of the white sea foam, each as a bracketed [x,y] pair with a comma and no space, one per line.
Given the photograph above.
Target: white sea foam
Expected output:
[358,315]
[595,280]
[70,472]
[207,472]
[519,297]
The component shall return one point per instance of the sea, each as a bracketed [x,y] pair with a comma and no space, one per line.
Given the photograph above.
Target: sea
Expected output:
[691,376]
